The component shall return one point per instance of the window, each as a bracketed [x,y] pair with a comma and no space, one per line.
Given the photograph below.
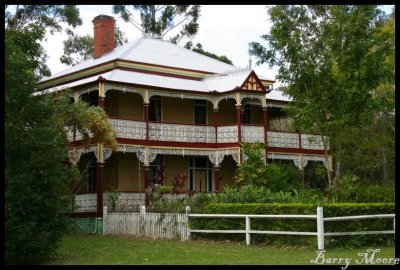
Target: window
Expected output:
[200,112]
[246,114]
[158,162]
[155,109]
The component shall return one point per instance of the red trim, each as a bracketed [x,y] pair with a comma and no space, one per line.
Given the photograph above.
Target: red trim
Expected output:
[155,65]
[176,144]
[82,70]
[181,123]
[160,73]
[100,188]
[297,151]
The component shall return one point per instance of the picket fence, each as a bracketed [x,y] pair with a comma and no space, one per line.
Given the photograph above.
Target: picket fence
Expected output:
[148,225]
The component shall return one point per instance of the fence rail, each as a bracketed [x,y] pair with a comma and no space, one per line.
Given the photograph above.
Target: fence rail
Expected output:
[319,217]
[174,225]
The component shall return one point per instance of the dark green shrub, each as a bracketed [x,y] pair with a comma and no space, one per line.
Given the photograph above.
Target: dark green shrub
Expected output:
[330,210]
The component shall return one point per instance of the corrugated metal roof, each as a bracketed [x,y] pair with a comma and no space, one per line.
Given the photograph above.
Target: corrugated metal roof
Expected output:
[278,95]
[227,81]
[158,52]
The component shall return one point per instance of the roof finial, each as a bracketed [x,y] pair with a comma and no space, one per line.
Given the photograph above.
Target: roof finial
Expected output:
[249,62]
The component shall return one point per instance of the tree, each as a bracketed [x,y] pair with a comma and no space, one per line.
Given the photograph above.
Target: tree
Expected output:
[41,18]
[36,174]
[37,171]
[199,49]
[80,48]
[158,20]
[332,60]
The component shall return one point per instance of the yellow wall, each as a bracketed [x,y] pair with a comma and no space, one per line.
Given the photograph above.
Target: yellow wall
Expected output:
[227,112]
[111,172]
[228,168]
[124,105]
[177,110]
[128,172]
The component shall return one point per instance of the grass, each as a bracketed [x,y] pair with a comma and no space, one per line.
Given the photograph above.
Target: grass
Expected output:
[81,249]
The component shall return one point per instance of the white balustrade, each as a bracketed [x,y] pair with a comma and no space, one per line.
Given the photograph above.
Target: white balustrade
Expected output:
[311,142]
[283,139]
[86,202]
[126,202]
[128,129]
[228,134]
[181,133]
[252,134]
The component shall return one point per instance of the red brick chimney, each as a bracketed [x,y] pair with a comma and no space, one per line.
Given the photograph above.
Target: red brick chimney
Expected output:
[103,26]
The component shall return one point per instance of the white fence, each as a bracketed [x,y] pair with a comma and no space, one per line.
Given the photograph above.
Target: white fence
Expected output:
[160,225]
[142,224]
[320,233]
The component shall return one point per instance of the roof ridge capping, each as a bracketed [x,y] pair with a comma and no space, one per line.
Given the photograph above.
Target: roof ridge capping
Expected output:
[228,73]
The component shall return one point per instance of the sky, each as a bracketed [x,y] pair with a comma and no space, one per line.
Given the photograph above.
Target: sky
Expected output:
[223,30]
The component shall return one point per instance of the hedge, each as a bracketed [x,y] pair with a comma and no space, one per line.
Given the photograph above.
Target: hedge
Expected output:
[330,210]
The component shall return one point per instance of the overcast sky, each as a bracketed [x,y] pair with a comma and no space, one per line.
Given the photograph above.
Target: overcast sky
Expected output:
[223,30]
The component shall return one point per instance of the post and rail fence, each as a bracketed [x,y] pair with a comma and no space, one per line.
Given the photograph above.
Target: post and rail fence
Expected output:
[174,225]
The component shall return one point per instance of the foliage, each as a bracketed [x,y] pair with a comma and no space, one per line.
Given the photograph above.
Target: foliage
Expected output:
[330,210]
[78,49]
[352,189]
[180,179]
[158,20]
[282,177]
[254,194]
[35,20]
[37,176]
[332,59]
[253,170]
[113,196]
[199,49]
[92,122]
[160,177]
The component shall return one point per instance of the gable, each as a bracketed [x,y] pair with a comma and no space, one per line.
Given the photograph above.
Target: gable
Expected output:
[252,83]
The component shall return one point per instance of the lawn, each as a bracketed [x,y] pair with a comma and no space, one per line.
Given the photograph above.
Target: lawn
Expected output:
[81,249]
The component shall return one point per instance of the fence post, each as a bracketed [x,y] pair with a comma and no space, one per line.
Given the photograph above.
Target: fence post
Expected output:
[394,228]
[320,227]
[187,222]
[142,210]
[247,230]
[105,219]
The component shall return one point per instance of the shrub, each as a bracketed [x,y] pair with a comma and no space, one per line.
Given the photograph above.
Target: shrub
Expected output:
[330,210]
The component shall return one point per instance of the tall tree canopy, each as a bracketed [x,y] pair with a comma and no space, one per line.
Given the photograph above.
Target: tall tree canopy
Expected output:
[39,18]
[158,20]
[80,48]
[332,59]
[199,49]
